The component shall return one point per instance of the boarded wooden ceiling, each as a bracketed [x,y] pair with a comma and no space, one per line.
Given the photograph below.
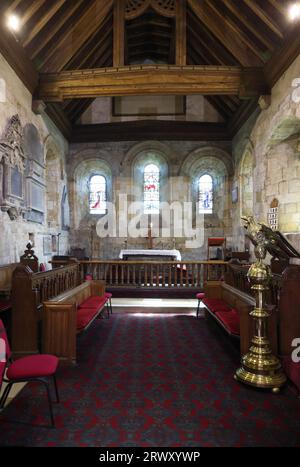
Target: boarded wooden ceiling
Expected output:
[60,35]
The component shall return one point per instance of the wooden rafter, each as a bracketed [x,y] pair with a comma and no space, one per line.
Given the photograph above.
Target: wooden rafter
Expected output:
[243,18]
[94,47]
[180,33]
[160,79]
[279,6]
[238,33]
[283,57]
[35,47]
[31,10]
[224,32]
[269,22]
[72,41]
[17,58]
[205,39]
[43,21]
[119,33]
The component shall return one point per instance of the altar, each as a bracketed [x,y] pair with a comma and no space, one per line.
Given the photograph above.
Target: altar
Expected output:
[167,255]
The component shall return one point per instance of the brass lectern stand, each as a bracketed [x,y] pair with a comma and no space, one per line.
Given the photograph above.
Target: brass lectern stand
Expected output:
[260,368]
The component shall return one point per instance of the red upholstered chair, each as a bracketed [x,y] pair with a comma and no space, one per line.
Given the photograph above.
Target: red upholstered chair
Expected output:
[38,368]
[200,297]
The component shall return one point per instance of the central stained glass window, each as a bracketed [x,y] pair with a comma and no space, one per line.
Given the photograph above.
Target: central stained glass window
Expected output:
[151,189]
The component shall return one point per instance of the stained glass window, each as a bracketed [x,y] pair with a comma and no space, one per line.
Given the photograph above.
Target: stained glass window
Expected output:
[151,189]
[97,194]
[205,194]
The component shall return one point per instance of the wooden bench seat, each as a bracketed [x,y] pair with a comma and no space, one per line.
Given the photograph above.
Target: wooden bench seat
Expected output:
[69,314]
[230,308]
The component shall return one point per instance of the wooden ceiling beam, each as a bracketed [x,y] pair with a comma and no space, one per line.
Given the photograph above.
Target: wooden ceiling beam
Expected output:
[224,33]
[74,38]
[96,45]
[150,129]
[17,58]
[36,46]
[242,17]
[12,7]
[283,57]
[151,79]
[239,34]
[216,58]
[210,41]
[60,119]
[180,32]
[43,21]
[119,33]
[279,7]
[242,114]
[31,10]
[217,104]
[269,22]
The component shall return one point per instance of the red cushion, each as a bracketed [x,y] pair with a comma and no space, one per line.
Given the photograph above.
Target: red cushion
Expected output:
[292,370]
[200,296]
[84,316]
[231,321]
[108,295]
[93,302]
[215,304]
[33,366]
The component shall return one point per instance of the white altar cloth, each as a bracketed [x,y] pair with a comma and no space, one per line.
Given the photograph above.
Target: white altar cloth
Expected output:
[173,253]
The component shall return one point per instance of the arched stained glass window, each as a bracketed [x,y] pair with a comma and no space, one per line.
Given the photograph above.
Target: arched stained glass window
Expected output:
[206,194]
[97,194]
[151,189]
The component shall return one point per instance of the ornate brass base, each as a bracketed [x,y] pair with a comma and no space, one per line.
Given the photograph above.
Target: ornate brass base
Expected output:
[260,368]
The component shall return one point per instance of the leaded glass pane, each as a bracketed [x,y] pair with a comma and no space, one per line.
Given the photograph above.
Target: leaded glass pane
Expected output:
[97,195]
[205,194]
[151,189]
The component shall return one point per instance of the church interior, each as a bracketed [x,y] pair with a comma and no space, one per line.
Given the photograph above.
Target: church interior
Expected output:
[150,223]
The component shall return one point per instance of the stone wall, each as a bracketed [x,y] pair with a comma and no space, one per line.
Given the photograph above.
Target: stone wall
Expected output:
[270,143]
[15,99]
[181,164]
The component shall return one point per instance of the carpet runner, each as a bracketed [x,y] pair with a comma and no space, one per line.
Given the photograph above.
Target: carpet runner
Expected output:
[163,380]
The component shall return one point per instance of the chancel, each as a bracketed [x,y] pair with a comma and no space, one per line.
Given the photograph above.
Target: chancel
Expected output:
[150,223]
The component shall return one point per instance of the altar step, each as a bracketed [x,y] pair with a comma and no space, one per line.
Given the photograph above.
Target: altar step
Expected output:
[155,306]
[153,292]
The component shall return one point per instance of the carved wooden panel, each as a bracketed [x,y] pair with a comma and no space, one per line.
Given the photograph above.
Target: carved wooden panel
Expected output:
[135,8]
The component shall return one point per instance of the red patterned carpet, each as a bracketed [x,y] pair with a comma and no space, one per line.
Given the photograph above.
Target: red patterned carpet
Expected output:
[153,381]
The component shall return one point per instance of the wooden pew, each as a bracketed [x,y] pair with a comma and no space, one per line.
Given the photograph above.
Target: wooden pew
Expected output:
[29,290]
[60,319]
[243,303]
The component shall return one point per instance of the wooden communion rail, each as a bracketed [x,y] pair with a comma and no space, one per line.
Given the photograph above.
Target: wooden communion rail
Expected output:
[150,274]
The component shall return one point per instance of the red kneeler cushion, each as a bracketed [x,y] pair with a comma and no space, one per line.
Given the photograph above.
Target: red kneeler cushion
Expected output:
[215,304]
[93,302]
[84,316]
[231,321]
